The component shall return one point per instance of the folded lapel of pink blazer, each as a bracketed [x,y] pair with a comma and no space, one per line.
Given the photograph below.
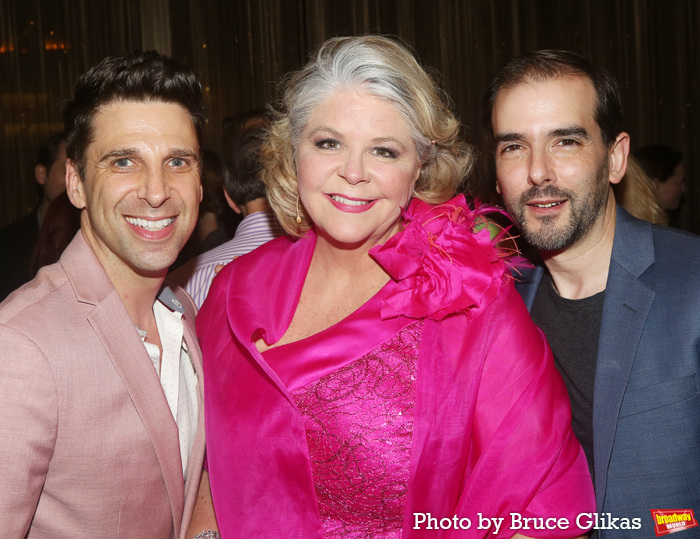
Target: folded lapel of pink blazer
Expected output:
[117,333]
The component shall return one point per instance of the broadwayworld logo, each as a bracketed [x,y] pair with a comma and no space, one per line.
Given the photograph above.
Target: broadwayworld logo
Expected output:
[673,520]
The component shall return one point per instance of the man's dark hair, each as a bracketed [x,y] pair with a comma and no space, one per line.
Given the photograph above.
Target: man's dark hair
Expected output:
[48,151]
[137,76]
[244,165]
[549,64]
[658,162]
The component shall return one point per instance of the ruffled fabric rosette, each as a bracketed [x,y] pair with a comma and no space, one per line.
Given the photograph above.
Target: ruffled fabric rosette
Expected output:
[441,264]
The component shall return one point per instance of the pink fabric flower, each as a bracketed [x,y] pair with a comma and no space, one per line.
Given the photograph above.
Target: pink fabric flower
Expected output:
[441,264]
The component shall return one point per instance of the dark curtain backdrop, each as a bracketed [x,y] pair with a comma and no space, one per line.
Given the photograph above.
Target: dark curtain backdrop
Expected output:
[240,49]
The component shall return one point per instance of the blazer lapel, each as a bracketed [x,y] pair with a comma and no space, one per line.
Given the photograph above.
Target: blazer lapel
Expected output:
[131,361]
[116,331]
[625,310]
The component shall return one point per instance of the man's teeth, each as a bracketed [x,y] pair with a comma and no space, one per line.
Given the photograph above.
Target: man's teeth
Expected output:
[550,205]
[349,202]
[151,226]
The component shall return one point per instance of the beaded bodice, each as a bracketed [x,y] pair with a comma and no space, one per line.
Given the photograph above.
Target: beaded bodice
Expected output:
[359,425]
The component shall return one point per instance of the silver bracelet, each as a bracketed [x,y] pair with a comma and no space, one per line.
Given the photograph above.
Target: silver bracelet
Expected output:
[208,534]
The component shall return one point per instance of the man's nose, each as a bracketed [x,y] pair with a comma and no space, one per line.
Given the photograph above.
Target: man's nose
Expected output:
[540,170]
[155,189]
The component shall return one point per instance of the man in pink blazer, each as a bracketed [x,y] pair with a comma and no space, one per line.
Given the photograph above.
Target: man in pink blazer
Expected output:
[102,433]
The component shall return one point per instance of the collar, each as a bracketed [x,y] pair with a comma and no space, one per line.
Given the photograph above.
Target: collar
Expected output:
[633,247]
[168,298]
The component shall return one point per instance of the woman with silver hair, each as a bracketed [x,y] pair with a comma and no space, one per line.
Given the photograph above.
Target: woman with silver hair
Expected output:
[375,373]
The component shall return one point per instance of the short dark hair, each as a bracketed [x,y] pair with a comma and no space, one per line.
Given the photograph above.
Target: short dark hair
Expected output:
[243,181]
[232,126]
[136,76]
[48,151]
[658,162]
[550,64]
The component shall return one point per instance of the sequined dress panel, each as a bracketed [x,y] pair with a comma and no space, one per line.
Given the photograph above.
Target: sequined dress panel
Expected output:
[359,426]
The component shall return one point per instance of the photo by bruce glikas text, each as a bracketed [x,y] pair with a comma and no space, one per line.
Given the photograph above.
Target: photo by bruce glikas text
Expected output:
[597,521]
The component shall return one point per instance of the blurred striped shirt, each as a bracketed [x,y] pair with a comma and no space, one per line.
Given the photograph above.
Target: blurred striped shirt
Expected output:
[196,275]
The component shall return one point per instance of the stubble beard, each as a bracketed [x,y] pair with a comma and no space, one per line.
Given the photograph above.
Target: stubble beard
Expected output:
[584,210]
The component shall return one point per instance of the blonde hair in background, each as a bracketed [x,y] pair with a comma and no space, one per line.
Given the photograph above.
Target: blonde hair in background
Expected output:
[637,194]
[385,69]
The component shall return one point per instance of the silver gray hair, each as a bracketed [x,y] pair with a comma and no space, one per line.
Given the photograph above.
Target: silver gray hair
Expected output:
[387,70]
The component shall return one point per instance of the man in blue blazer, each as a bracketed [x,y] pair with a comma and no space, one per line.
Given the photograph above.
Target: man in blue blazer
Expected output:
[618,298]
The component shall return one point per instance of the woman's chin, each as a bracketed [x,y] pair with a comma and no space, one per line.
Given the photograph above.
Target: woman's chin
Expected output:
[354,239]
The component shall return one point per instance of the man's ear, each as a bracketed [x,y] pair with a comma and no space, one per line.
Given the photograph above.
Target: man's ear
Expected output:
[618,157]
[75,186]
[40,174]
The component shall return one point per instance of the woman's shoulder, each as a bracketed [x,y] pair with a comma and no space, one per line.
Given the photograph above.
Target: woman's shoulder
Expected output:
[446,260]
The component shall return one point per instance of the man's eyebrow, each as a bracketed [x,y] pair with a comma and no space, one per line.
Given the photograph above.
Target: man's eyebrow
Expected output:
[508,137]
[572,131]
[119,153]
[182,152]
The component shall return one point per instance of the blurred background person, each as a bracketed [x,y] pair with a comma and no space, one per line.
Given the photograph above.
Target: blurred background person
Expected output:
[664,166]
[18,240]
[213,228]
[232,129]
[61,222]
[217,224]
[637,194]
[50,171]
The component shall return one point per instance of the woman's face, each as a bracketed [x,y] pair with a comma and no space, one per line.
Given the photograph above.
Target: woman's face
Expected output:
[670,193]
[356,167]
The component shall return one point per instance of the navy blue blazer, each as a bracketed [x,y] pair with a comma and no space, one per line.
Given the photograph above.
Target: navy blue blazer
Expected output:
[646,408]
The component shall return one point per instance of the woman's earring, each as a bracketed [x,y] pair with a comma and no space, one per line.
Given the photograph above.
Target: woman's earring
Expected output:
[298,216]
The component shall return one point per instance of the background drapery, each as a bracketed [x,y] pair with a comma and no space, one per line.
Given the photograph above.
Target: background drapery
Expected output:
[241,48]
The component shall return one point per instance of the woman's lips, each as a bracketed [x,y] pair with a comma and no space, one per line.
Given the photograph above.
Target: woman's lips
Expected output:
[351,205]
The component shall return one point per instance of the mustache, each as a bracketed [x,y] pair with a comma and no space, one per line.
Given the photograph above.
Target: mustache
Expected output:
[548,191]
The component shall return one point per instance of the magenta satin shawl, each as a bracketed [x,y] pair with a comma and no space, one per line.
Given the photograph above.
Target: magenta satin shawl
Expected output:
[492,426]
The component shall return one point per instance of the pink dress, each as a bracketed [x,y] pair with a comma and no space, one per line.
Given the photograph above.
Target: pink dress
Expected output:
[488,415]
[359,427]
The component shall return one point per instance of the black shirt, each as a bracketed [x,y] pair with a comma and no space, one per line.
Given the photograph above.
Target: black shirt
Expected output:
[572,327]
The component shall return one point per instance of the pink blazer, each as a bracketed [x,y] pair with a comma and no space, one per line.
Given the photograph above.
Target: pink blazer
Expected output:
[88,445]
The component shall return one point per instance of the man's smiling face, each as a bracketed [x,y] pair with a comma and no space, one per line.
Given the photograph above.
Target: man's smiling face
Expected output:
[141,189]
[551,162]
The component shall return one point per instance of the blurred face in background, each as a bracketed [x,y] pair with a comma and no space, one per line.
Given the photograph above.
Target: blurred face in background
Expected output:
[670,193]
[53,179]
